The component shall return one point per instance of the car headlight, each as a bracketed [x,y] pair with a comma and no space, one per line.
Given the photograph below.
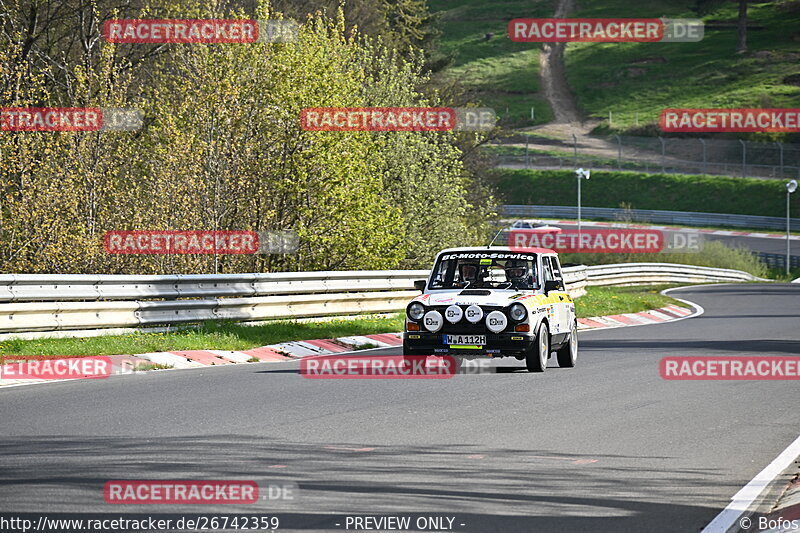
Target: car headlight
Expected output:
[517,312]
[416,311]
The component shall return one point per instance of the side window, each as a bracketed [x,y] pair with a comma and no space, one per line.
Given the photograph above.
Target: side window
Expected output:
[556,269]
[440,275]
[548,269]
[533,280]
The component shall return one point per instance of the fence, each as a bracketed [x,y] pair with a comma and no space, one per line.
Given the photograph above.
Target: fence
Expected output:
[681,218]
[779,260]
[34,303]
[654,154]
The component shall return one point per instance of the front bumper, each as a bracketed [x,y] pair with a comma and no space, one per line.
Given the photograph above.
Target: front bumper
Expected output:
[500,344]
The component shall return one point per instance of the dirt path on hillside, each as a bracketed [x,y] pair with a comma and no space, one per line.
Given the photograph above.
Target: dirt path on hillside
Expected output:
[554,77]
[568,120]
[556,90]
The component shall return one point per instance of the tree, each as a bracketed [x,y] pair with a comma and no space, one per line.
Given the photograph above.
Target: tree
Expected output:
[222,149]
[704,7]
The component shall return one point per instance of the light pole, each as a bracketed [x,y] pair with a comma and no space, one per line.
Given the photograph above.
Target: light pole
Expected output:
[791,186]
[580,173]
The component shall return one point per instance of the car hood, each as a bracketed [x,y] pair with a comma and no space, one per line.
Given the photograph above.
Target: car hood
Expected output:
[494,298]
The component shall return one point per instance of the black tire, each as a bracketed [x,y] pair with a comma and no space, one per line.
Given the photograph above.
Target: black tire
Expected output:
[536,358]
[567,355]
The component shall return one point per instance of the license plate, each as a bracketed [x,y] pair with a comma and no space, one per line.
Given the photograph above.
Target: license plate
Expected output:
[474,340]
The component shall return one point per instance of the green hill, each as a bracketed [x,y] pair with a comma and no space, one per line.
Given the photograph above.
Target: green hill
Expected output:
[626,78]
[500,73]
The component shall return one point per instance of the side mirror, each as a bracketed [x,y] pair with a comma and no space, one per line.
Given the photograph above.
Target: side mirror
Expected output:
[420,284]
[552,285]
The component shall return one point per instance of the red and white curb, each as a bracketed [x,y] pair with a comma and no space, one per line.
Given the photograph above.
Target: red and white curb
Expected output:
[288,351]
[728,233]
[643,318]
[285,351]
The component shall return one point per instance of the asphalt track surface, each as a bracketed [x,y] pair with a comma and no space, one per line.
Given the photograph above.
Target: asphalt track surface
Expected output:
[606,446]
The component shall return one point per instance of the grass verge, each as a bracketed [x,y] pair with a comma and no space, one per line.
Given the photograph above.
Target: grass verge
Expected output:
[600,301]
[209,336]
[674,192]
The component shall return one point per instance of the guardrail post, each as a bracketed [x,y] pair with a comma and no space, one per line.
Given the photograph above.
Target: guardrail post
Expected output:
[575,149]
[527,157]
[744,157]
[705,160]
[619,152]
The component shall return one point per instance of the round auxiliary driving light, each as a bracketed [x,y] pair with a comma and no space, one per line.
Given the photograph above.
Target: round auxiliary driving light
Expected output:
[453,314]
[474,313]
[496,321]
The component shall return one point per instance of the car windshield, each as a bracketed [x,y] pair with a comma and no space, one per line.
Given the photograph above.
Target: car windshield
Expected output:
[485,270]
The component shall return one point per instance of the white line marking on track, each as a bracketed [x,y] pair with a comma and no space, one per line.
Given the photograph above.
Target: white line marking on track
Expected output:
[742,500]
[697,307]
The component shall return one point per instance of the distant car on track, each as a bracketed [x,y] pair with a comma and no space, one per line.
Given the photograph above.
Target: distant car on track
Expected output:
[533,225]
[494,302]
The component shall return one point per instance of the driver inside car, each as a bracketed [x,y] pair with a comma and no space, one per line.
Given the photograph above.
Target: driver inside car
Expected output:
[468,274]
[518,275]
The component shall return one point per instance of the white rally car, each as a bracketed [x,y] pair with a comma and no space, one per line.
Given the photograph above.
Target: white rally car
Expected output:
[494,302]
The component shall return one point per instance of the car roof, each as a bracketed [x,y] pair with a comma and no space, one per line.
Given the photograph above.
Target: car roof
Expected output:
[531,250]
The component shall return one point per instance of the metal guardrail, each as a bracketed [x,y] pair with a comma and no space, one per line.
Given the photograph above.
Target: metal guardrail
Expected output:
[648,273]
[683,218]
[56,303]
[576,279]
[54,287]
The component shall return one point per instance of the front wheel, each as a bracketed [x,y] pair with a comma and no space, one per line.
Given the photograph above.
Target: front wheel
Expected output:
[536,358]
[568,354]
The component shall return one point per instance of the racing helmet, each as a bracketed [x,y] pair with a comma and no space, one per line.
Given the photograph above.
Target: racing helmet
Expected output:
[468,271]
[516,269]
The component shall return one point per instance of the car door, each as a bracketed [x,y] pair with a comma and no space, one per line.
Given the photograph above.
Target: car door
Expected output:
[559,298]
[566,308]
